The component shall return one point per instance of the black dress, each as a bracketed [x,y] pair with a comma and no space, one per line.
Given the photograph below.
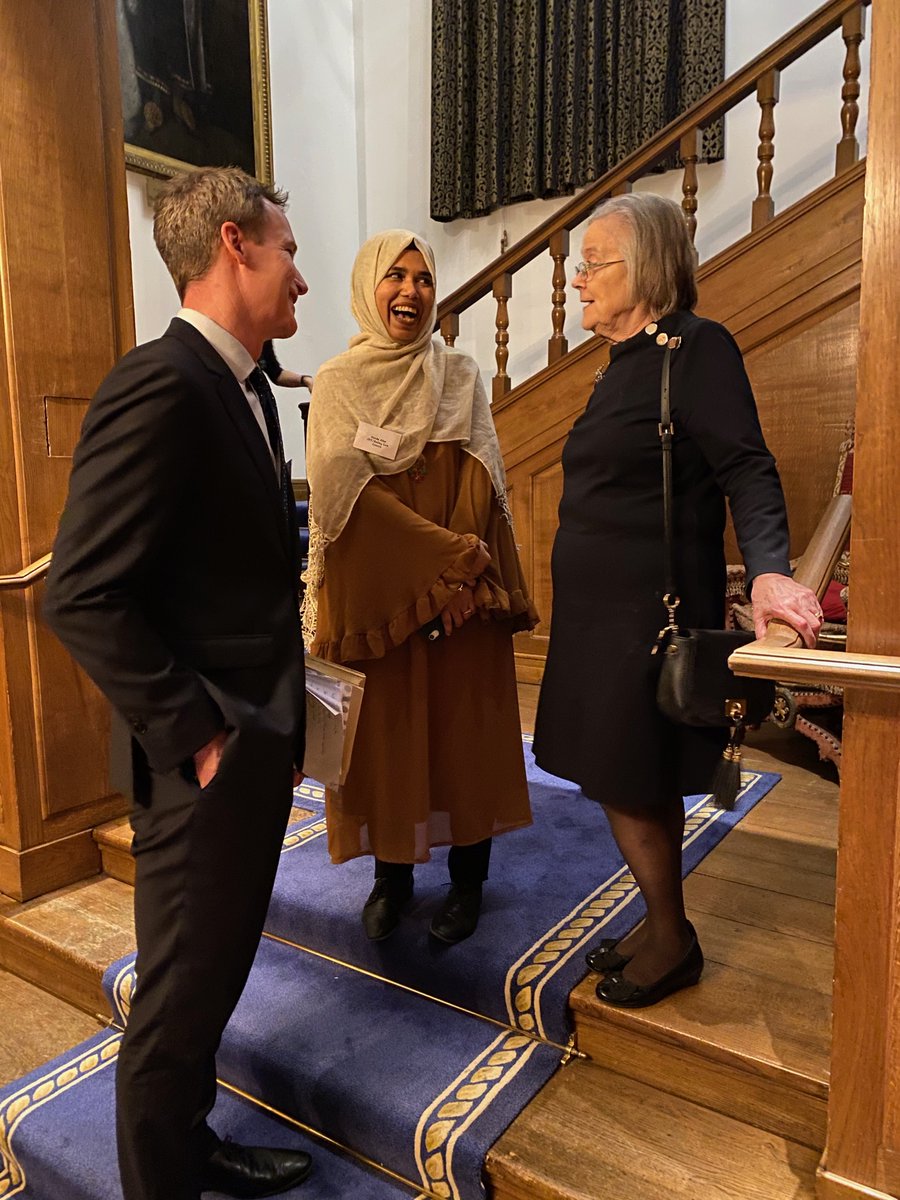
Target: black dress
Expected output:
[597,721]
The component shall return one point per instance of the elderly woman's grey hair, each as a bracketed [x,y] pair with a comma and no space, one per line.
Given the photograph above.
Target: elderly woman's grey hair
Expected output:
[659,254]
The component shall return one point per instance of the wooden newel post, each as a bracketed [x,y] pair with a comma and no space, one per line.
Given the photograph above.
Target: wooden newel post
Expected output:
[854,30]
[502,291]
[558,344]
[767,94]
[689,155]
[450,328]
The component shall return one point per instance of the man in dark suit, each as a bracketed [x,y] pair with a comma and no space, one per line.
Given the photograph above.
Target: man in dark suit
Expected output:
[174,583]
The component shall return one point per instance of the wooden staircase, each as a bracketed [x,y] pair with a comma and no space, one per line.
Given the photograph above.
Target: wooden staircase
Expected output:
[718,1092]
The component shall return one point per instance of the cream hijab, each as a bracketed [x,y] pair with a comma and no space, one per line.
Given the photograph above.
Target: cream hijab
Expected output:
[420,389]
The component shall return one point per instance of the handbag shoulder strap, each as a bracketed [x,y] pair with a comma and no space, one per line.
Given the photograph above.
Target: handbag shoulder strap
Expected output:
[666,438]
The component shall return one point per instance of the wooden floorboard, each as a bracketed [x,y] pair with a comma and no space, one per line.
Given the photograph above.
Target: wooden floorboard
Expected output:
[607,1136]
[35,1027]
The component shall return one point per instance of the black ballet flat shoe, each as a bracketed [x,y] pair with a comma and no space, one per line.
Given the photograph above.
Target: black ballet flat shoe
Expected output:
[605,958]
[615,989]
[384,907]
[457,917]
[249,1172]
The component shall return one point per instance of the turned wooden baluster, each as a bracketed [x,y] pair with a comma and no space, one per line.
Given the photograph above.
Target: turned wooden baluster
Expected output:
[559,252]
[854,30]
[502,291]
[767,95]
[689,156]
[450,328]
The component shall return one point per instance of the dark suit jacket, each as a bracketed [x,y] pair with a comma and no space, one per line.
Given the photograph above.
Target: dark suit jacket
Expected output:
[175,574]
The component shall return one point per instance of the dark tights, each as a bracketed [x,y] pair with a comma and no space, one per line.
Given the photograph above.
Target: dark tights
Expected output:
[650,841]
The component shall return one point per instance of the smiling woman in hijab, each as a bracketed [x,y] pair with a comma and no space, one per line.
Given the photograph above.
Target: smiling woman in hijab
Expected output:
[410,533]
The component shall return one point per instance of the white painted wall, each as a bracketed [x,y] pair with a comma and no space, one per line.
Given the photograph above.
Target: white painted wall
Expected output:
[351,91]
[314,131]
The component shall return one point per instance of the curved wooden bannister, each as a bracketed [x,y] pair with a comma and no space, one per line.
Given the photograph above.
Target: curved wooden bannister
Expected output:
[760,76]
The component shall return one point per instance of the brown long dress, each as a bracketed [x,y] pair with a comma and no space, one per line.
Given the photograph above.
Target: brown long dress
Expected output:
[438,751]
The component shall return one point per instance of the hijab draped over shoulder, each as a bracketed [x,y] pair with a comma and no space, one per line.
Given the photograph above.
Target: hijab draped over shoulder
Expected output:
[421,390]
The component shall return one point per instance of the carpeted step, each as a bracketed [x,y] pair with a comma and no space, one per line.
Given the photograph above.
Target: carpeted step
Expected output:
[416,1086]
[302,513]
[537,919]
[57,1127]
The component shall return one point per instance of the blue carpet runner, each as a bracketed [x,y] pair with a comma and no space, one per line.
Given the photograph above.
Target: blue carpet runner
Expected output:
[414,1055]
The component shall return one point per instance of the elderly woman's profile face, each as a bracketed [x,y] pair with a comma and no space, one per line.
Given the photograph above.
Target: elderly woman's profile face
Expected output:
[405,296]
[603,285]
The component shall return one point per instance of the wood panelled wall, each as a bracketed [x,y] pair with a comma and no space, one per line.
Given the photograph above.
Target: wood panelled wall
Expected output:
[862,1154]
[790,295]
[66,315]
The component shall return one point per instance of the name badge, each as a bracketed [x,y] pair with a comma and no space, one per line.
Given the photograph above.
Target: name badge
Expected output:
[383,442]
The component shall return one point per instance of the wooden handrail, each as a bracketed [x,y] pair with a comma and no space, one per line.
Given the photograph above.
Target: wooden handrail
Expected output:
[779,654]
[737,87]
[28,574]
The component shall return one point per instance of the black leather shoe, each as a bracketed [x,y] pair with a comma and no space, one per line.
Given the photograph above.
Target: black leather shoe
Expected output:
[605,957]
[457,917]
[381,912]
[251,1171]
[617,990]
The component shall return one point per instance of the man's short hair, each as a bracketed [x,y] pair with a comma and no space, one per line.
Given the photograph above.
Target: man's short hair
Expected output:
[192,208]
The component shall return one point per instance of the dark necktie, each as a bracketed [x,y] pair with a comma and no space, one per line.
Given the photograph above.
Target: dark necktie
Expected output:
[257,380]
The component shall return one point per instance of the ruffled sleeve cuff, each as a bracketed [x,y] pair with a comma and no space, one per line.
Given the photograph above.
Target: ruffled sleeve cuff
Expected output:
[376,642]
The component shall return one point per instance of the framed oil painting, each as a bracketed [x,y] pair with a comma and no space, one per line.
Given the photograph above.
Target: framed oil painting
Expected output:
[195,85]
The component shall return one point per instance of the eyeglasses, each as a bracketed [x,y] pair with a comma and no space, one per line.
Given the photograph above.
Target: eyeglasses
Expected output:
[588,268]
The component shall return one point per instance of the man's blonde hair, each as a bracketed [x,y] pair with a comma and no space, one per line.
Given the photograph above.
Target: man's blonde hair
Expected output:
[192,208]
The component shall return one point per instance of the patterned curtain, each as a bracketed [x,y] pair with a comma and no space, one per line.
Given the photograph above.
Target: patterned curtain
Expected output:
[535,98]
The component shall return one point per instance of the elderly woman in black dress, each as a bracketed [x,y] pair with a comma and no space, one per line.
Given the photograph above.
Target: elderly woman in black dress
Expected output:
[597,721]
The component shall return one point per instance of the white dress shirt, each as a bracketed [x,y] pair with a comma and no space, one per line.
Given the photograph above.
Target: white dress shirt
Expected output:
[238,359]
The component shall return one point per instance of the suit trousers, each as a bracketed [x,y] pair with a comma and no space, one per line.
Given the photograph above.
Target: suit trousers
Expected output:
[205,865]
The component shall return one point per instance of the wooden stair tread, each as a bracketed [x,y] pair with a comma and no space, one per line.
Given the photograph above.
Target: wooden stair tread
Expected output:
[114,833]
[117,834]
[762,1025]
[758,906]
[760,847]
[51,1028]
[64,941]
[591,1134]
[793,879]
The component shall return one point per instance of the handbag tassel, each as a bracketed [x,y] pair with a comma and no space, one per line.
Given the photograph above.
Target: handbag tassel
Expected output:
[727,778]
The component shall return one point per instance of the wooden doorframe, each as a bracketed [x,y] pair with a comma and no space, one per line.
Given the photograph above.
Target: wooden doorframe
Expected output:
[862,1153]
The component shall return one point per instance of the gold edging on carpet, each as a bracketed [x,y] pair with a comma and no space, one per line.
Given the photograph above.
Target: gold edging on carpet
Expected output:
[27,1099]
[460,1105]
[566,1050]
[572,933]
[330,1141]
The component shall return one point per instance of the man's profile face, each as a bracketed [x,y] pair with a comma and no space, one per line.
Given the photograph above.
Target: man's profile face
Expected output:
[274,284]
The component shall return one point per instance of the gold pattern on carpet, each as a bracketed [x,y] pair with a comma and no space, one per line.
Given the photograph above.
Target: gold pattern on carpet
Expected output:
[29,1099]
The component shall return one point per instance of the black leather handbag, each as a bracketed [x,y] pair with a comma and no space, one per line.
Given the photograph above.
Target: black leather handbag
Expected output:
[696,685]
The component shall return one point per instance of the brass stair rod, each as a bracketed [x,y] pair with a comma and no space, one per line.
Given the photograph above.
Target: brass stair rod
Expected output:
[27,575]
[780,656]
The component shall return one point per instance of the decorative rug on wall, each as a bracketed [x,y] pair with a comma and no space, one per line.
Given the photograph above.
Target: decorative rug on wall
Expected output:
[413,1055]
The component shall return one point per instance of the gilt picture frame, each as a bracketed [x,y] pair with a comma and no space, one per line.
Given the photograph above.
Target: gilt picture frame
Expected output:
[195,85]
